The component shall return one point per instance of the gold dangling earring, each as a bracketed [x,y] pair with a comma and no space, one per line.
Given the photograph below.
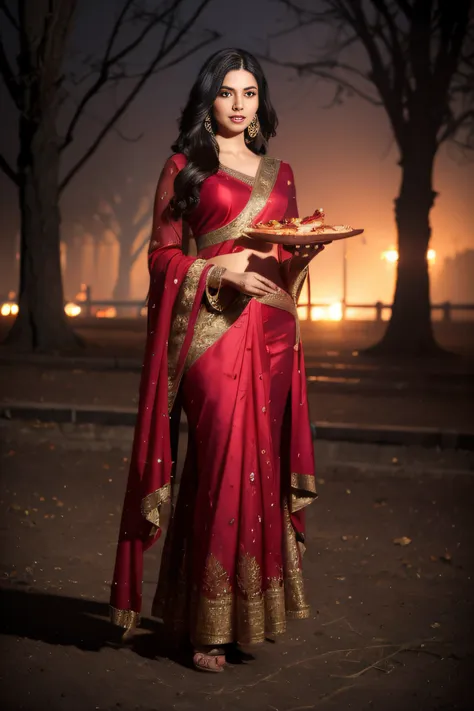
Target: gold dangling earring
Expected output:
[208,124]
[253,128]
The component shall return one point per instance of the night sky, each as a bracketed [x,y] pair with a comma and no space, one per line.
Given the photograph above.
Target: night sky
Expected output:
[344,158]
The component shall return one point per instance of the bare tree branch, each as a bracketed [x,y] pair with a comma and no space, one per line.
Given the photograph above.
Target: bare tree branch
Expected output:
[8,170]
[163,51]
[9,15]
[108,62]
[454,124]
[326,70]
[9,77]
[420,54]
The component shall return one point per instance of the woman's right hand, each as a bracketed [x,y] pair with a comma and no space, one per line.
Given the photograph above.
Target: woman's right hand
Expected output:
[250,283]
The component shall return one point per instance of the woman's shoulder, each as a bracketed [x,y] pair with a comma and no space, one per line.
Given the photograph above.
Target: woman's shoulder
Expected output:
[285,169]
[178,160]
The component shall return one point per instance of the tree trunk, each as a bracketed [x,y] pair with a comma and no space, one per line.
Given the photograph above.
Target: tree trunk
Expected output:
[410,330]
[122,285]
[41,323]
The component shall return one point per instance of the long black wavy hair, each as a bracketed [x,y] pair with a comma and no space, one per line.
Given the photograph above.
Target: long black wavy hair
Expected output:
[196,142]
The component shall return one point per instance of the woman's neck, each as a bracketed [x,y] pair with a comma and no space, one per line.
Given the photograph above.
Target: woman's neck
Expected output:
[232,146]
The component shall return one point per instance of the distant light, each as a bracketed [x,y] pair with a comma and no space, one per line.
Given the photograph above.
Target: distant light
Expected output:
[72,309]
[331,312]
[390,255]
[144,311]
[9,309]
[335,311]
[317,313]
[302,313]
[111,312]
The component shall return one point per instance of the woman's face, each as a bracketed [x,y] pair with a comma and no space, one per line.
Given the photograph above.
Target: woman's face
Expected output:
[236,103]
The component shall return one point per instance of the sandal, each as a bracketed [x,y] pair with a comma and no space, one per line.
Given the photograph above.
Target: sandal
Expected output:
[210,661]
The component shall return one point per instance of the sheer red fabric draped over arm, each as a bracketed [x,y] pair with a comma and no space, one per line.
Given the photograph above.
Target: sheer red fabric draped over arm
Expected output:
[175,279]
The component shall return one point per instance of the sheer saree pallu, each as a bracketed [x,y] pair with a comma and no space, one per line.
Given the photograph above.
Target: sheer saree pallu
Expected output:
[231,567]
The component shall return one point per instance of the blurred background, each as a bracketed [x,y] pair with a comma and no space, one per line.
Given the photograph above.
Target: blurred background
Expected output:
[343,154]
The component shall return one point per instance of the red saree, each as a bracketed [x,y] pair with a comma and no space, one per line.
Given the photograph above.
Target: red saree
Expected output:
[231,566]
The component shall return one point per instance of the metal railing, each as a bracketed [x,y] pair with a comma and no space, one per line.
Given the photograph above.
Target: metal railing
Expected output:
[446,307]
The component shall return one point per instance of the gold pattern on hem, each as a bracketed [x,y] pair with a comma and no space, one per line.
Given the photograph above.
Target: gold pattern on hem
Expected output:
[295,602]
[246,615]
[262,188]
[250,604]
[124,618]
[151,504]
[213,606]
[179,325]
[303,491]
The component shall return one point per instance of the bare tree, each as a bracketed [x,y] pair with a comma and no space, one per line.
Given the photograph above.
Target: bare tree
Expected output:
[40,88]
[127,214]
[417,63]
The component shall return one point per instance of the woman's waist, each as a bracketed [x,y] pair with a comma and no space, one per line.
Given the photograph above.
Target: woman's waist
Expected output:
[248,260]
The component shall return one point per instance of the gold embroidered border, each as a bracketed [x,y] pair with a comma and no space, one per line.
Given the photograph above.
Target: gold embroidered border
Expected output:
[275,614]
[179,324]
[295,602]
[151,504]
[124,618]
[213,606]
[296,282]
[283,300]
[263,186]
[211,326]
[245,615]
[303,491]
[243,177]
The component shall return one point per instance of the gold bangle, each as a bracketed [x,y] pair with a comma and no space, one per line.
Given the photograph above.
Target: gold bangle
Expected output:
[214,282]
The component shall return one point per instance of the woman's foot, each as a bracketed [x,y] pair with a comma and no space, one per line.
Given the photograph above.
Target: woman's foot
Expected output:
[209,659]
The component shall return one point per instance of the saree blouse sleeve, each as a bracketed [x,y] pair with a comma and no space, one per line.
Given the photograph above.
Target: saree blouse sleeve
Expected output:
[166,232]
[293,275]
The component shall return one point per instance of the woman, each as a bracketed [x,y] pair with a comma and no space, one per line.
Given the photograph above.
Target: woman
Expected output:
[223,344]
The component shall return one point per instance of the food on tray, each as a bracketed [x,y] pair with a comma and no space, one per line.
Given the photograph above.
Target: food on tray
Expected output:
[301,225]
[301,230]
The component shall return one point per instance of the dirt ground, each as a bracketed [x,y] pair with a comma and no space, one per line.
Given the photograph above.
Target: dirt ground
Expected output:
[391,624]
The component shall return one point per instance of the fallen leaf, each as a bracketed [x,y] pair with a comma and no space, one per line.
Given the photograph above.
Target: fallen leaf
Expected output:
[403,541]
[340,577]
[446,558]
[394,460]
[435,625]
[348,491]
